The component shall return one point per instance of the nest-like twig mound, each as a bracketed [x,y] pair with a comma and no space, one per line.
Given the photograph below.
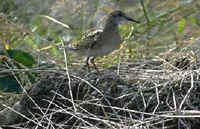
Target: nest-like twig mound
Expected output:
[147,95]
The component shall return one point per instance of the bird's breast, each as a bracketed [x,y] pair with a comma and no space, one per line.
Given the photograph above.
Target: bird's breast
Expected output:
[106,45]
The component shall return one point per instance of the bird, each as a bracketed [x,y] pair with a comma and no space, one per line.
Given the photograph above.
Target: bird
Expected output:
[100,42]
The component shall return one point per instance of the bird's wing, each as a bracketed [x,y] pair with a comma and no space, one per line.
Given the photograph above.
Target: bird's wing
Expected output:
[89,39]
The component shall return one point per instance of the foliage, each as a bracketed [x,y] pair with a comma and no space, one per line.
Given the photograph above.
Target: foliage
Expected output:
[14,59]
[22,57]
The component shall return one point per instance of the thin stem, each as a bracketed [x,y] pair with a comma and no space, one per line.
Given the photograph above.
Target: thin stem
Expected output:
[145,12]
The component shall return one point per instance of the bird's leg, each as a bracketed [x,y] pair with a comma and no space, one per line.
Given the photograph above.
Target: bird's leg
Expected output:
[92,61]
[87,63]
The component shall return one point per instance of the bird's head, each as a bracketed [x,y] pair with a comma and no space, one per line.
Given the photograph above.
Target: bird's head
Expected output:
[118,17]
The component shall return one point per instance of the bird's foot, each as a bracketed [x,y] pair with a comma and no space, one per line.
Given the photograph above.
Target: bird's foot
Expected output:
[94,65]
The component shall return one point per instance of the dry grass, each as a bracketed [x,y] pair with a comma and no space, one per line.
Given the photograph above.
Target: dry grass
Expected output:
[144,94]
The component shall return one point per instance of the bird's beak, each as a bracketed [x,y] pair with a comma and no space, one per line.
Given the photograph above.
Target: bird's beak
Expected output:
[130,19]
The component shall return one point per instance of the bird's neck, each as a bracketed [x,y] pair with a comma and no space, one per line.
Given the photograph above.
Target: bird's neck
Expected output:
[110,27]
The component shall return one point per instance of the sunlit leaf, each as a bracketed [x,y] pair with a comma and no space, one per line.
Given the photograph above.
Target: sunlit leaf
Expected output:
[6,47]
[54,51]
[193,20]
[181,25]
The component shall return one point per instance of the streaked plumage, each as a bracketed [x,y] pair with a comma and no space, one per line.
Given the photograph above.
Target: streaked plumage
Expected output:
[101,42]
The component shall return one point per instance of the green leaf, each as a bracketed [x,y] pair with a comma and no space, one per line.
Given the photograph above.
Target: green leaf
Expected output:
[181,25]
[9,84]
[193,20]
[22,57]
[54,51]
